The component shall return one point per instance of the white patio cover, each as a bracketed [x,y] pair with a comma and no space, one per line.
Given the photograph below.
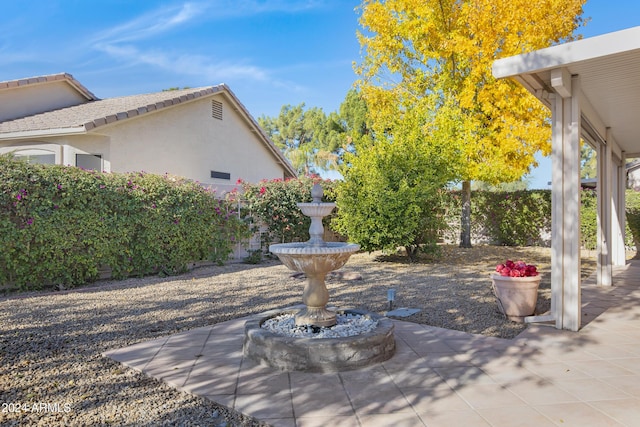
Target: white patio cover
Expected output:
[592,87]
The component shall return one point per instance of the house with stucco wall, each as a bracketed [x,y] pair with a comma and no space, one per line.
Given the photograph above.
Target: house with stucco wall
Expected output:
[204,134]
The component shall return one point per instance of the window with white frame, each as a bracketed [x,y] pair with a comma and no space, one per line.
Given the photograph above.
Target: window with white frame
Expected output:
[89,161]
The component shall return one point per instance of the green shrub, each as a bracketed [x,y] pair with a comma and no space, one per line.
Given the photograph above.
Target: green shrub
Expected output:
[253,257]
[59,225]
[391,196]
[589,218]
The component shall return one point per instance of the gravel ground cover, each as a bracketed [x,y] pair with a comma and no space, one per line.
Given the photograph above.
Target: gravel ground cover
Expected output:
[51,368]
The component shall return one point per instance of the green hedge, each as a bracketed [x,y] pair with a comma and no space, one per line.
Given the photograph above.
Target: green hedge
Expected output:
[589,219]
[523,218]
[633,217]
[59,225]
[516,218]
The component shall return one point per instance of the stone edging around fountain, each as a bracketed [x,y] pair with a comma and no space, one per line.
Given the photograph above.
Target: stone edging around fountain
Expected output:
[321,354]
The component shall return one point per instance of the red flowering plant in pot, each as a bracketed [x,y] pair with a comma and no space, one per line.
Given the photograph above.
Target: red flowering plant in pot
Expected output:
[515,285]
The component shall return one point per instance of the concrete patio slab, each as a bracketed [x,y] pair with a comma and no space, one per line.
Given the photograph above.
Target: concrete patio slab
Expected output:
[438,377]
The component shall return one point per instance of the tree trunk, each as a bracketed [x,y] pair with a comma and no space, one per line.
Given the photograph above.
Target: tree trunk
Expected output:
[465,217]
[412,252]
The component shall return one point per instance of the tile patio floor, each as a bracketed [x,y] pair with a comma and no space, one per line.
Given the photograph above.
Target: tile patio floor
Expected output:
[438,377]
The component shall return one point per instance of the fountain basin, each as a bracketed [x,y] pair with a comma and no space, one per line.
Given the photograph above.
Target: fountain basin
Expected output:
[318,354]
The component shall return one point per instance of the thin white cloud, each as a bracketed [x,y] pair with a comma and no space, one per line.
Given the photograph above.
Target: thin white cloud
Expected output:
[151,24]
[124,42]
[187,64]
[167,18]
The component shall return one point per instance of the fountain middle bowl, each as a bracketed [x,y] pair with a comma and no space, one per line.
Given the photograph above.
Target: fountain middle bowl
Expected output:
[313,259]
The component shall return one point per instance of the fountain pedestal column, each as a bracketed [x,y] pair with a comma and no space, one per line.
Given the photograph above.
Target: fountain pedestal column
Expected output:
[315,296]
[315,262]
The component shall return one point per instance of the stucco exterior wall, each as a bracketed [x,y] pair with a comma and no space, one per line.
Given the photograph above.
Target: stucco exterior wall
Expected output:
[37,98]
[187,141]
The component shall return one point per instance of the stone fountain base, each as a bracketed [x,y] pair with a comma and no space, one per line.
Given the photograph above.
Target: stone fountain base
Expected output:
[318,354]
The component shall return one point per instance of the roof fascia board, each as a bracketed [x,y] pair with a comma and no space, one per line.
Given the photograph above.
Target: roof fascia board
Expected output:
[51,78]
[42,133]
[568,53]
[81,88]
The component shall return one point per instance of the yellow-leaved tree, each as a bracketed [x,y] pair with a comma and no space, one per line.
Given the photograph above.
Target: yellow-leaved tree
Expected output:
[433,58]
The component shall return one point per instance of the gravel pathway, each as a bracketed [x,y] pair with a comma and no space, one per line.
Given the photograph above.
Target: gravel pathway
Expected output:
[51,368]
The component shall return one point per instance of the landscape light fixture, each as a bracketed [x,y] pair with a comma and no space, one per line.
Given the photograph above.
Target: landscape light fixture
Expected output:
[391,297]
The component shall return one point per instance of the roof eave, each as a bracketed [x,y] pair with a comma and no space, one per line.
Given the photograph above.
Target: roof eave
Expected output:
[77,86]
[42,133]
[568,53]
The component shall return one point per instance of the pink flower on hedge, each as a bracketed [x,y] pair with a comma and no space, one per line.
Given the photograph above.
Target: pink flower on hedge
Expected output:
[516,269]
[262,190]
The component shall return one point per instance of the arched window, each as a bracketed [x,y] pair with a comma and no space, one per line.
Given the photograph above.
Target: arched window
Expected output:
[35,155]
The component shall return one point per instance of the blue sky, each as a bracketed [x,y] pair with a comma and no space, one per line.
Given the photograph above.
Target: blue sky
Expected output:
[270,52]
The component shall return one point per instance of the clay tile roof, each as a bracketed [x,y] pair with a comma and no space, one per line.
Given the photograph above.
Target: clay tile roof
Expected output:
[11,84]
[99,112]
[90,115]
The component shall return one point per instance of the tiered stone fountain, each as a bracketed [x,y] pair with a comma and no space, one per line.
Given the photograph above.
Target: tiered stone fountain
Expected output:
[316,258]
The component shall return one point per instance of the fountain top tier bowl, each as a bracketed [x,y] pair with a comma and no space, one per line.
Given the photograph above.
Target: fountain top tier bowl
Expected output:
[316,245]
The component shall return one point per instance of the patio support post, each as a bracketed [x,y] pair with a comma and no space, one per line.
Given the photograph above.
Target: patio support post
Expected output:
[605,175]
[565,202]
[618,215]
[557,111]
